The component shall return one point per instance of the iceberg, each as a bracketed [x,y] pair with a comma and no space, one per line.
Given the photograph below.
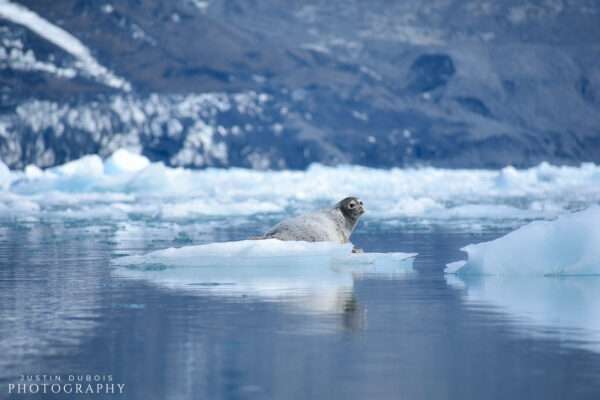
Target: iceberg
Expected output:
[565,246]
[264,253]
[124,161]
[264,269]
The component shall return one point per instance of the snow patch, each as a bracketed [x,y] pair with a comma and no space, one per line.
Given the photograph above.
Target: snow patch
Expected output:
[14,56]
[201,5]
[21,15]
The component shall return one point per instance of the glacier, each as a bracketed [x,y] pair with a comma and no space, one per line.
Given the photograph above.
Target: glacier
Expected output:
[565,246]
[127,185]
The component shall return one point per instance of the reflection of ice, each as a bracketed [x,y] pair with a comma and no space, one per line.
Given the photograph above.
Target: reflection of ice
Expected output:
[315,275]
[565,246]
[564,308]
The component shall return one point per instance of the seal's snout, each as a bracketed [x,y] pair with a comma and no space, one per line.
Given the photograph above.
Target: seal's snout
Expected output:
[361,207]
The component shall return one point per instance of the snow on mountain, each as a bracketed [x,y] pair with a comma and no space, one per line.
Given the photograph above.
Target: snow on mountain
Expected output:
[456,83]
[85,61]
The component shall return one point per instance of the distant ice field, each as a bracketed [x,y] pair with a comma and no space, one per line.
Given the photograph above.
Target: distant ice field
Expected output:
[127,186]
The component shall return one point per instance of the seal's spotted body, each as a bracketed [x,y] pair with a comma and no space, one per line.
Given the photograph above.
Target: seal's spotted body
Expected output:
[332,225]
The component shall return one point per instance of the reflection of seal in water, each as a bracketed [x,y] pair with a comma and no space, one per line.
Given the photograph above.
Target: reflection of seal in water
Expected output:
[330,225]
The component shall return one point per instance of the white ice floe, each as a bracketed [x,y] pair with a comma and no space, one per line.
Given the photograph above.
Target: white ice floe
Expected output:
[568,245]
[262,253]
[21,15]
[426,194]
[264,269]
[123,161]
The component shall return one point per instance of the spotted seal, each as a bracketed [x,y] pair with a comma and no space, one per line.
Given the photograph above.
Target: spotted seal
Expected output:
[335,224]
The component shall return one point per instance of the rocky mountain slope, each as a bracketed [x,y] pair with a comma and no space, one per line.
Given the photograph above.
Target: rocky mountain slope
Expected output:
[282,84]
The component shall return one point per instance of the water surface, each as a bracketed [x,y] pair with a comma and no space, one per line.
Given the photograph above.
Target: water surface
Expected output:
[63,310]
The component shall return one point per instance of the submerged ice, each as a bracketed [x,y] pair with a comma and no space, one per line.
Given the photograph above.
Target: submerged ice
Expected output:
[565,246]
[127,185]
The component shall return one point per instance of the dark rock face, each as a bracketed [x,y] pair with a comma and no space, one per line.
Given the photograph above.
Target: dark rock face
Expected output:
[267,84]
[429,72]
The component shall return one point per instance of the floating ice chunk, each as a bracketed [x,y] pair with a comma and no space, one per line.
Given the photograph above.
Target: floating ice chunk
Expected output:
[508,177]
[565,246]
[484,211]
[91,166]
[124,161]
[454,267]
[264,269]
[33,171]
[202,207]
[82,175]
[433,195]
[240,251]
[283,254]
[157,178]
[409,206]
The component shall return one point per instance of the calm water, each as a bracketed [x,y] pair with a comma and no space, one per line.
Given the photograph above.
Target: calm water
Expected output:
[417,336]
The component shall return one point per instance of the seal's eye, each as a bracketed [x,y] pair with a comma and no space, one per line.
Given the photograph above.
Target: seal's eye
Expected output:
[352,205]
[360,202]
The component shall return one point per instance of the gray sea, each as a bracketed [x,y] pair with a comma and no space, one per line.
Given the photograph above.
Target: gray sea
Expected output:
[423,335]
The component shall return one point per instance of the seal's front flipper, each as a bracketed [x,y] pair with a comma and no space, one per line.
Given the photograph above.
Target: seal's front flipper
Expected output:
[357,250]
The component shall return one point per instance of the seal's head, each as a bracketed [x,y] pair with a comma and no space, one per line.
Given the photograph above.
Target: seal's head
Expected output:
[351,207]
